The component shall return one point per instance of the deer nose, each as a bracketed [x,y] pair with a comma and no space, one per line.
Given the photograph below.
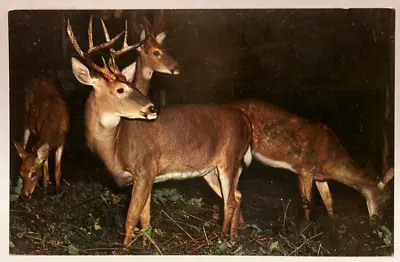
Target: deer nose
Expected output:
[176,70]
[149,112]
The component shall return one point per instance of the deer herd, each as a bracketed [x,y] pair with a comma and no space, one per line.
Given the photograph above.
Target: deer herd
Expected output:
[141,145]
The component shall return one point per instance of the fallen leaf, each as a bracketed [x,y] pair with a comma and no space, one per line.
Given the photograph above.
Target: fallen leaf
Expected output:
[11,244]
[14,197]
[20,234]
[73,250]
[274,245]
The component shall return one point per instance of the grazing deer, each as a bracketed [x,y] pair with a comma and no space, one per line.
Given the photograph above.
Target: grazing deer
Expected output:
[185,141]
[312,150]
[46,115]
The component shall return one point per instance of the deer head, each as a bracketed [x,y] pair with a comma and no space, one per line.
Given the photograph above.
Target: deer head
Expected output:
[152,53]
[113,88]
[31,169]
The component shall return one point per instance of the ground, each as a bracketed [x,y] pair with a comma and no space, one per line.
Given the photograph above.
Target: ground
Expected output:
[88,218]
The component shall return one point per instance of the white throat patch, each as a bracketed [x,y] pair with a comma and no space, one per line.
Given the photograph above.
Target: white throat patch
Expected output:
[147,73]
[109,120]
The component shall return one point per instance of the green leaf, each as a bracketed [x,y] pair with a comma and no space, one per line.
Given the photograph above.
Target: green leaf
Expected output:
[14,197]
[11,244]
[274,245]
[73,250]
[18,187]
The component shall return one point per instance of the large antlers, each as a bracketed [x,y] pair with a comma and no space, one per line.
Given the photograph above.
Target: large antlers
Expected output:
[105,70]
[115,53]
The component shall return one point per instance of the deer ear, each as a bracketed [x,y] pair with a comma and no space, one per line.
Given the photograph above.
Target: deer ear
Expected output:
[81,72]
[386,178]
[43,151]
[160,37]
[129,72]
[21,151]
[142,37]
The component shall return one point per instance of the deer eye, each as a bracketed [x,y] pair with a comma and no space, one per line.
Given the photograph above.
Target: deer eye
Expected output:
[120,90]
[156,53]
[33,175]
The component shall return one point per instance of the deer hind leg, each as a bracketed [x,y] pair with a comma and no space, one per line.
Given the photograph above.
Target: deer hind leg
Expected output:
[326,196]
[27,134]
[59,153]
[235,223]
[231,206]
[305,186]
[213,182]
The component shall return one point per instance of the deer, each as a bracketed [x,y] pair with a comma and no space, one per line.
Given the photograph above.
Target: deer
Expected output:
[284,140]
[141,147]
[153,56]
[47,116]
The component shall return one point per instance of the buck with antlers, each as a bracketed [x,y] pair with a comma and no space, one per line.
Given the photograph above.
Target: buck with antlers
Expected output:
[284,140]
[152,53]
[46,115]
[183,142]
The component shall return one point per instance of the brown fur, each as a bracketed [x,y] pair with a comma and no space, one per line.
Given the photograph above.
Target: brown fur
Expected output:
[312,150]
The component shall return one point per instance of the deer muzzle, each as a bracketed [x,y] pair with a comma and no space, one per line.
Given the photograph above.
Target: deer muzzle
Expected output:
[149,112]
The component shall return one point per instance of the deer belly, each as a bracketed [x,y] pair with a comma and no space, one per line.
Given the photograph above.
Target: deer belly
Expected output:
[273,163]
[183,175]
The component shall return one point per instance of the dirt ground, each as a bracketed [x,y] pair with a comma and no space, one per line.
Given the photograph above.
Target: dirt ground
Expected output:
[88,218]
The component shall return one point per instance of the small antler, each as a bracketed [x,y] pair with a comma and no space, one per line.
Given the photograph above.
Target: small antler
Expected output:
[92,49]
[158,22]
[115,53]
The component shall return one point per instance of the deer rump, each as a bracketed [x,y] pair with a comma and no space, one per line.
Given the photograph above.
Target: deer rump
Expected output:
[185,141]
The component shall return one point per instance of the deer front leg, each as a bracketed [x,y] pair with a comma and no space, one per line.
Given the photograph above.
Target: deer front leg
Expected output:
[46,175]
[59,153]
[140,195]
[305,186]
[145,218]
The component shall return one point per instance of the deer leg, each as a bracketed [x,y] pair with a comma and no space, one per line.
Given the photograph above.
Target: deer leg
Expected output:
[213,182]
[59,153]
[326,196]
[140,194]
[145,217]
[226,179]
[46,176]
[305,185]
[236,215]
[27,134]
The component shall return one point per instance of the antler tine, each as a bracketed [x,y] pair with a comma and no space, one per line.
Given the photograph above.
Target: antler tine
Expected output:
[73,40]
[158,22]
[103,70]
[126,47]
[90,33]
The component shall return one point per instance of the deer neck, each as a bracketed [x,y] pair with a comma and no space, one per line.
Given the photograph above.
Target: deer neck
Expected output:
[143,76]
[101,131]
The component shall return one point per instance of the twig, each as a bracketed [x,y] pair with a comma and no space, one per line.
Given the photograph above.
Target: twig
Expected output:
[105,201]
[152,241]
[102,249]
[202,220]
[66,182]
[205,233]
[305,242]
[287,241]
[284,215]
[179,226]
[205,242]
[319,248]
